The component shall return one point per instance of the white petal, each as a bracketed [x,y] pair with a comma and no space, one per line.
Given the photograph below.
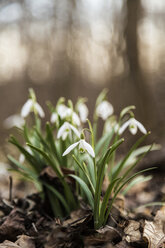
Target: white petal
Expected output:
[87,147]
[123,127]
[75,119]
[14,120]
[62,111]
[75,130]
[133,128]
[64,135]
[140,126]
[70,148]
[68,112]
[83,111]
[104,110]
[26,108]
[39,110]
[62,129]
[53,118]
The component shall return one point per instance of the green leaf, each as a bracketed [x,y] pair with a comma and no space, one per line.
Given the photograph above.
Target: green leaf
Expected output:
[29,157]
[105,202]
[104,142]
[135,181]
[100,176]
[85,188]
[121,186]
[51,141]
[49,160]
[32,174]
[59,196]
[117,170]
[90,167]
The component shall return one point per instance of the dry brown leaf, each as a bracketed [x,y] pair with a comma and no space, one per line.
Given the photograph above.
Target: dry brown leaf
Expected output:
[154,230]
[132,231]
[8,244]
[23,242]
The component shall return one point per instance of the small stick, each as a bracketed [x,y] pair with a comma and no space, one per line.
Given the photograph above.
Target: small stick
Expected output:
[10,188]
[35,228]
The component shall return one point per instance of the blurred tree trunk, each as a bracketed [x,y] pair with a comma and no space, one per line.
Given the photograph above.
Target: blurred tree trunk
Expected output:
[141,93]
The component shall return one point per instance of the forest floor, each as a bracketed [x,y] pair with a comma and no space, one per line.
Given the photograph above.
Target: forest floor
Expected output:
[25,222]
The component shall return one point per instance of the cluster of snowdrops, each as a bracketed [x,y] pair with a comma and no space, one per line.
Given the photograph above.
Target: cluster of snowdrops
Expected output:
[80,161]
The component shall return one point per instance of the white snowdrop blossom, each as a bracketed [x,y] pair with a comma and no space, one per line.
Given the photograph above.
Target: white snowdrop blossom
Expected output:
[109,125]
[75,119]
[133,125]
[65,130]
[31,106]
[104,109]
[14,121]
[54,117]
[83,111]
[64,112]
[83,147]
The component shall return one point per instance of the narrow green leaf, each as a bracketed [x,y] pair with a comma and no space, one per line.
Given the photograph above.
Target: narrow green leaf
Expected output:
[121,186]
[121,165]
[132,167]
[49,160]
[85,188]
[105,201]
[100,176]
[29,157]
[104,142]
[25,169]
[59,196]
[135,181]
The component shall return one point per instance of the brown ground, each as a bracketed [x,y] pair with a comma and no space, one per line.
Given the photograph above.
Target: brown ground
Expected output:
[25,223]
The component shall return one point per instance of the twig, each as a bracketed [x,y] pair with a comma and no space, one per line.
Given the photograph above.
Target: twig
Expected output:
[10,188]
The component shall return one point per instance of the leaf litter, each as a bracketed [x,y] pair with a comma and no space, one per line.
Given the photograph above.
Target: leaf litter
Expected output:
[27,223]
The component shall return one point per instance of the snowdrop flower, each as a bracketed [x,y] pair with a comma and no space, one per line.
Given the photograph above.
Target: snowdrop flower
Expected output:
[75,119]
[31,106]
[54,117]
[83,111]
[111,124]
[104,110]
[133,125]
[14,121]
[83,147]
[66,129]
[64,112]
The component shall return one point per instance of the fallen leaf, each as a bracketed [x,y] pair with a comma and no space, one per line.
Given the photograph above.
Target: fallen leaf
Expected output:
[132,231]
[154,230]
[25,241]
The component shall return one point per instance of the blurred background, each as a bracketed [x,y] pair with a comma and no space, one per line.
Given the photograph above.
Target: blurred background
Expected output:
[76,48]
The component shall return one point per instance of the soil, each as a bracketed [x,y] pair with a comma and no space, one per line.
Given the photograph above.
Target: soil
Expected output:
[26,223]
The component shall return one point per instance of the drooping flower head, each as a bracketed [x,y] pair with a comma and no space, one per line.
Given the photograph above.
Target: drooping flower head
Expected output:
[133,125]
[14,121]
[104,109]
[68,114]
[82,109]
[66,130]
[31,105]
[83,146]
